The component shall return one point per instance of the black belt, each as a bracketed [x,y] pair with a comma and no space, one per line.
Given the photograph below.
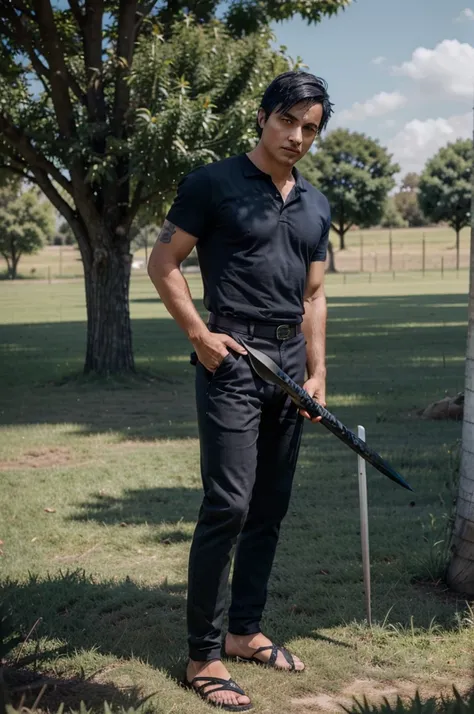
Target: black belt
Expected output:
[257,329]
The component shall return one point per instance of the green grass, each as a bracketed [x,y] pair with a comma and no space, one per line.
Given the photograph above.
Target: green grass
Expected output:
[104,574]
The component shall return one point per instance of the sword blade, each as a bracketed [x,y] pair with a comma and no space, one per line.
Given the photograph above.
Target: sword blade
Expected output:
[269,371]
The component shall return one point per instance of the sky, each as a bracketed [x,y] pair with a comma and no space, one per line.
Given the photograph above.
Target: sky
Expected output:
[401,71]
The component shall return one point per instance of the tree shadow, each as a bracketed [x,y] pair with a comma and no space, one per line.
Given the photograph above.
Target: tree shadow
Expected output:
[28,690]
[388,346]
[120,618]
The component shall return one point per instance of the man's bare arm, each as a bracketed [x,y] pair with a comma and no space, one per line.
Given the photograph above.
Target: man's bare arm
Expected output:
[314,329]
[171,248]
[314,320]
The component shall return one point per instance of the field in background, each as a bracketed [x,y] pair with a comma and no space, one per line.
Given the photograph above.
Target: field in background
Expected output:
[102,490]
[367,251]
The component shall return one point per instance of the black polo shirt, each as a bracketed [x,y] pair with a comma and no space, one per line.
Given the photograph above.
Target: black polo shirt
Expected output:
[254,249]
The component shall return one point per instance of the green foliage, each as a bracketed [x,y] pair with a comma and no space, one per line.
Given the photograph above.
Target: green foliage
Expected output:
[445,186]
[26,223]
[356,176]
[408,205]
[194,100]
[246,16]
[454,705]
[392,217]
[65,233]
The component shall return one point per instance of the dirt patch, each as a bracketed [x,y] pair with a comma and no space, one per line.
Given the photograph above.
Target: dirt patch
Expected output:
[375,692]
[39,459]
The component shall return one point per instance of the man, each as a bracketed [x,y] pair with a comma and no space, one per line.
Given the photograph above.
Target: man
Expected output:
[261,232]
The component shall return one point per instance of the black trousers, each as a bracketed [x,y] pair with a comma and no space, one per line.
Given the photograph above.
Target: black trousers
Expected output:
[250,435]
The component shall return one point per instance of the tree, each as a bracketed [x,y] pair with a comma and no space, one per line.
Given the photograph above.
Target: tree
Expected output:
[308,169]
[409,208]
[410,182]
[445,187]
[356,176]
[392,217]
[123,103]
[65,233]
[26,223]
[407,202]
[461,566]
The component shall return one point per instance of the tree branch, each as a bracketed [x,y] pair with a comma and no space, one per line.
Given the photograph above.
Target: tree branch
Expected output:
[18,172]
[19,141]
[335,228]
[76,11]
[53,51]
[92,43]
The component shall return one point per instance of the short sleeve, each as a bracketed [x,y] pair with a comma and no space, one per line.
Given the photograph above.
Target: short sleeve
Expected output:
[192,207]
[320,252]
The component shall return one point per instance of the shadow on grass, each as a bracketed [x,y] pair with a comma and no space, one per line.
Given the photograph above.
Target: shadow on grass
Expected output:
[26,688]
[370,350]
[120,618]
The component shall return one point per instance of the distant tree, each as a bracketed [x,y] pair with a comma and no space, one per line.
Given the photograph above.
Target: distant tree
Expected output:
[408,205]
[26,223]
[445,188]
[407,202]
[392,217]
[356,176]
[308,169]
[66,234]
[410,182]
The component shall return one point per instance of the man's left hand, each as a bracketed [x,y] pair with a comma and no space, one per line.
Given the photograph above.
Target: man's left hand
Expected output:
[316,388]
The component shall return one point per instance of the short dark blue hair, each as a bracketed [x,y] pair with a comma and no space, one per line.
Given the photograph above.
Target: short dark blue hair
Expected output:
[289,88]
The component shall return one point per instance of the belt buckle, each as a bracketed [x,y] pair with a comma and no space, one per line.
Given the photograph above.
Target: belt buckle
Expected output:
[283,332]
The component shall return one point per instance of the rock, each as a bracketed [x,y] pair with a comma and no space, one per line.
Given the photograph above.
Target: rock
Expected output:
[447,408]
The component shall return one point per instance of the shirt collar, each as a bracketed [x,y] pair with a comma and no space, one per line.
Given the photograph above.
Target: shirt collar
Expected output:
[251,170]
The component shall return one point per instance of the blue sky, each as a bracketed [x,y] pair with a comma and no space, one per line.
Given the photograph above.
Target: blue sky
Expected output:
[398,70]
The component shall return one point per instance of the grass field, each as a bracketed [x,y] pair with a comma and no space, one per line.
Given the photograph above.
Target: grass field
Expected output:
[55,262]
[101,487]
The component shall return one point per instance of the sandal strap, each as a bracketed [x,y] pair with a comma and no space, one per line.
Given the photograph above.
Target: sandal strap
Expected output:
[223,685]
[273,657]
[288,656]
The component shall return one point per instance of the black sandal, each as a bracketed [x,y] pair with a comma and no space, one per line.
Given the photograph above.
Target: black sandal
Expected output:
[273,657]
[226,685]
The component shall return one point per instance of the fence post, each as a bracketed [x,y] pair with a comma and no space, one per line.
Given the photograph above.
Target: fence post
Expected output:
[361,253]
[423,261]
[442,266]
[390,264]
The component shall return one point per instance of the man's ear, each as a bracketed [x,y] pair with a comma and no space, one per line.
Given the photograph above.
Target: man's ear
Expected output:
[261,118]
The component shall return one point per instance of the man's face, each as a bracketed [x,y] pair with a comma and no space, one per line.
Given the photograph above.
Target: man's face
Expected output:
[287,137]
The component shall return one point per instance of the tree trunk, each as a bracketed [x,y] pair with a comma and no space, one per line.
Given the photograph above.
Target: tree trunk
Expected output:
[342,235]
[457,248]
[461,566]
[109,334]
[331,262]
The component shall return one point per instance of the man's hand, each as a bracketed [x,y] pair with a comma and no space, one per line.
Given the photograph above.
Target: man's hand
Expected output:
[316,388]
[211,349]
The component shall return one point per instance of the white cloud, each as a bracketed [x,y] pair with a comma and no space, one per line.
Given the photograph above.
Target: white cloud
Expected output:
[445,71]
[378,105]
[466,14]
[390,123]
[419,140]
[379,60]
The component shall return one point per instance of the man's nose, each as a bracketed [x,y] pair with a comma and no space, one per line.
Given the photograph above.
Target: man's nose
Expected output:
[296,135]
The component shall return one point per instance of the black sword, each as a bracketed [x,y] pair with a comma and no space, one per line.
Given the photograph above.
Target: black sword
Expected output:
[269,371]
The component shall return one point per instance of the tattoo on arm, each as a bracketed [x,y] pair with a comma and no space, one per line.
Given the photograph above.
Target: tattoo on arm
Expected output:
[167,232]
